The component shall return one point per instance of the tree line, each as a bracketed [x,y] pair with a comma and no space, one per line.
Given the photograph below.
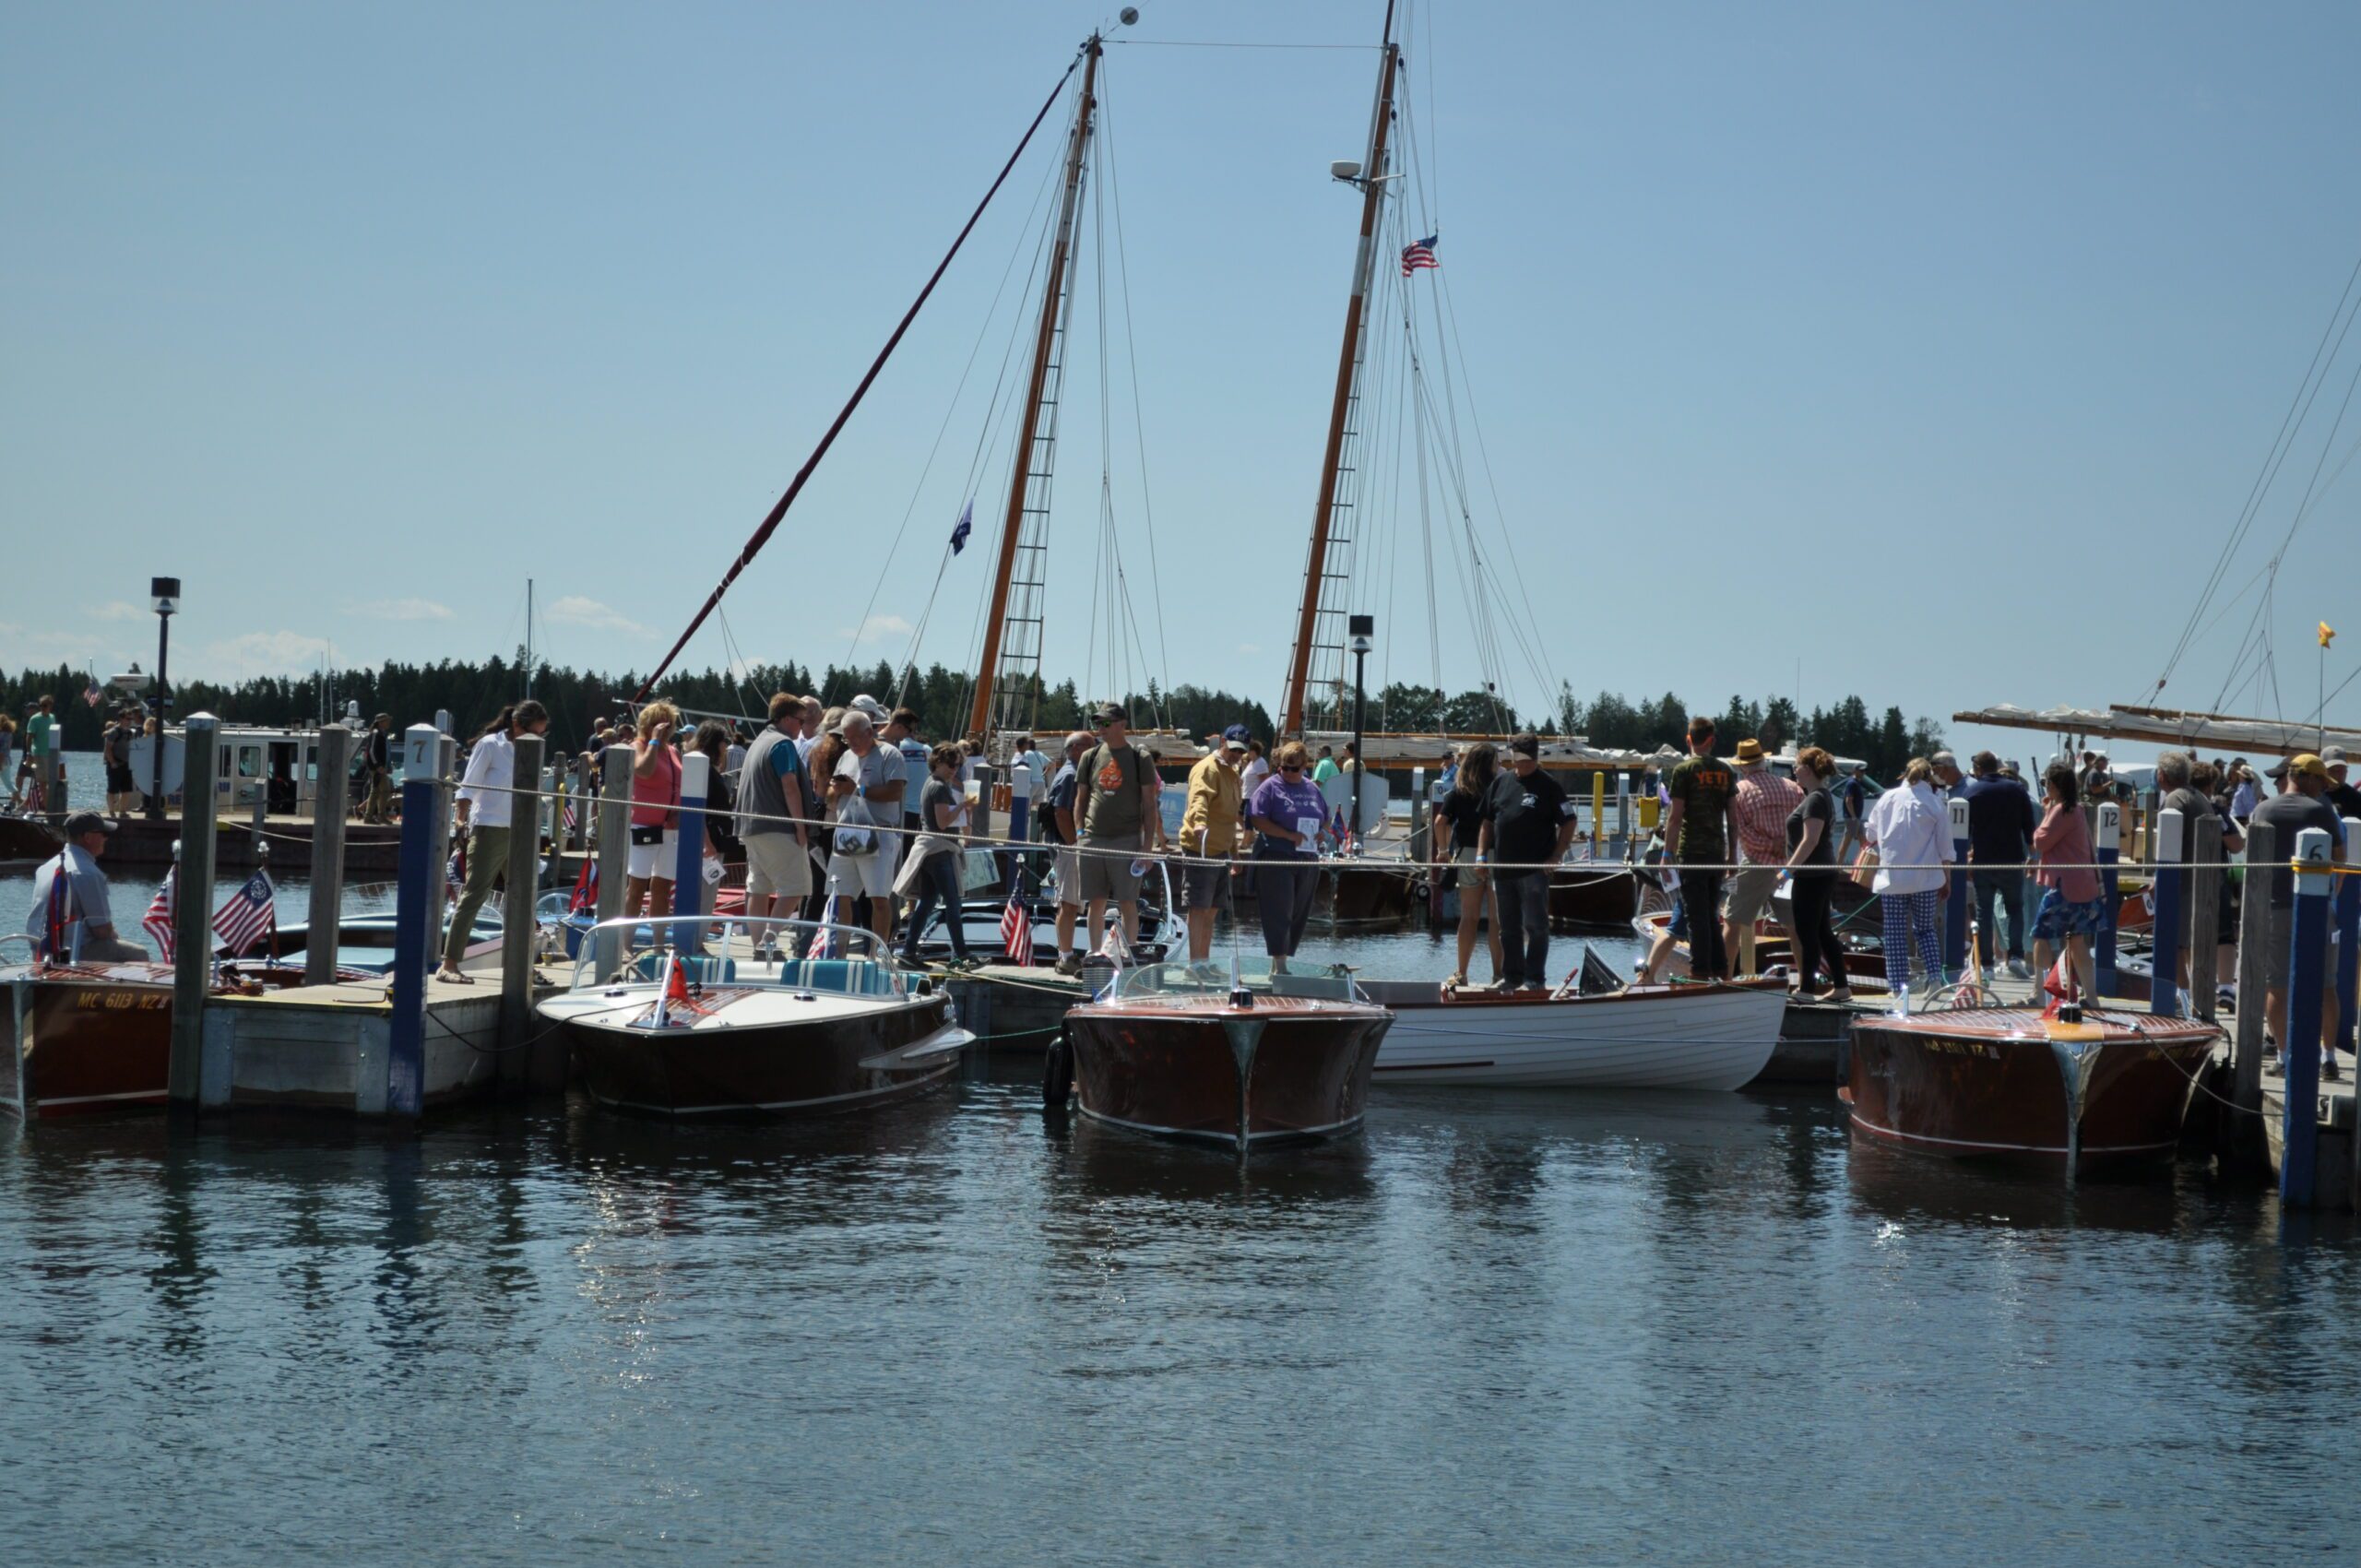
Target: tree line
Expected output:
[577,700]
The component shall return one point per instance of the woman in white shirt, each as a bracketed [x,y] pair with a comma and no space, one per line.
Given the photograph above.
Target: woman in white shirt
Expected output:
[1911,831]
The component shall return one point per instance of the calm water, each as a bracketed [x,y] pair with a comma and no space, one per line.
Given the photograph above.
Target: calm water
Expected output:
[1496,1328]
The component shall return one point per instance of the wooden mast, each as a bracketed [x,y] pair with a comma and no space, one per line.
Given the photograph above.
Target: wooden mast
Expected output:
[1012,525]
[1347,366]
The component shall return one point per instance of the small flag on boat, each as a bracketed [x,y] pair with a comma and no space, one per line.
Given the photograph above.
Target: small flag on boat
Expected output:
[157,921]
[2328,634]
[250,915]
[966,526]
[1016,930]
[1422,254]
[95,696]
[585,888]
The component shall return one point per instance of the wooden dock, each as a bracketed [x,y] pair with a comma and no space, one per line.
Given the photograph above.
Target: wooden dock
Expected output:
[324,1047]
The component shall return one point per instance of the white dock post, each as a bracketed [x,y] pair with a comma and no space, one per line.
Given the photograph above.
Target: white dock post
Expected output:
[614,856]
[2254,977]
[2202,917]
[327,856]
[193,912]
[438,907]
[517,918]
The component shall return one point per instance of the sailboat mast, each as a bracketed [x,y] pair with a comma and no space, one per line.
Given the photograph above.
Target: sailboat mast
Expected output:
[1347,373]
[1020,480]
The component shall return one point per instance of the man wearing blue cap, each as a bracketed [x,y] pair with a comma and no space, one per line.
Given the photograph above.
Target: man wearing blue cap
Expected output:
[1209,836]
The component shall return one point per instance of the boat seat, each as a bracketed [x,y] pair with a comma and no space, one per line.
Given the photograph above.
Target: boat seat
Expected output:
[850,977]
[703,968]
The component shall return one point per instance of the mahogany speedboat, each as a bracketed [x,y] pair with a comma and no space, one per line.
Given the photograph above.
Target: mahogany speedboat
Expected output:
[1255,1059]
[2109,1089]
[833,1026]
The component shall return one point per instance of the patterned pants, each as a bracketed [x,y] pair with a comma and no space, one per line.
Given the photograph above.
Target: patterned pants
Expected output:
[1910,917]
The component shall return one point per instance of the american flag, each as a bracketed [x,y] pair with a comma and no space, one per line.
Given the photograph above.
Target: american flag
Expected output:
[1016,930]
[55,945]
[157,921]
[1419,254]
[251,913]
[92,696]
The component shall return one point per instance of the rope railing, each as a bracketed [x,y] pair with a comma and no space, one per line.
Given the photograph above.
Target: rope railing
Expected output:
[1180,856]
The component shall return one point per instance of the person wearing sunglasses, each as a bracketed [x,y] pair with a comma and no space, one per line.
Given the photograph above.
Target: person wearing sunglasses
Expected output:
[1287,812]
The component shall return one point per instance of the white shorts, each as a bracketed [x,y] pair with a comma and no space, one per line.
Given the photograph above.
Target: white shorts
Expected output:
[854,876]
[656,863]
[776,864]
[1069,875]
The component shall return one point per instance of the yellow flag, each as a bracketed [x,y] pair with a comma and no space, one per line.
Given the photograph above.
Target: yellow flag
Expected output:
[2328,634]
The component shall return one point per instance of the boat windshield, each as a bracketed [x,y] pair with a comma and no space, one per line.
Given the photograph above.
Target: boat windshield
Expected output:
[738,950]
[1219,980]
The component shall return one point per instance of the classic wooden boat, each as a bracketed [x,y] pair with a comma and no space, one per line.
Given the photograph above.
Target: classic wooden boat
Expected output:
[1594,898]
[2008,1085]
[86,1039]
[1253,1060]
[722,1034]
[1656,1036]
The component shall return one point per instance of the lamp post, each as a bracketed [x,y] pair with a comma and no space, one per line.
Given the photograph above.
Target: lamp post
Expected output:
[1361,627]
[166,594]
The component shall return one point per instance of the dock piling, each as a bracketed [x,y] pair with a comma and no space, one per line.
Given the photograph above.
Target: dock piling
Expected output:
[517,921]
[438,822]
[1955,904]
[2109,839]
[328,855]
[614,856]
[2345,912]
[419,895]
[193,911]
[2299,1050]
[688,867]
[2165,863]
[2254,978]
[2201,917]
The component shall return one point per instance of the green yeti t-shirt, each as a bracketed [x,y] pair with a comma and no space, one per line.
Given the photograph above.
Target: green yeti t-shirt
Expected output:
[1703,785]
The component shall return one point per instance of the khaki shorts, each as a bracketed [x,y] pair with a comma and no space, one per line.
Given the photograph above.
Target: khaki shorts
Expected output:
[1751,890]
[1069,876]
[855,876]
[776,864]
[1107,873]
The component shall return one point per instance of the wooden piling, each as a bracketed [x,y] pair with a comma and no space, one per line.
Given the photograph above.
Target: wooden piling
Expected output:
[2299,1050]
[2166,865]
[2346,907]
[193,911]
[517,923]
[440,766]
[614,856]
[2254,979]
[2202,917]
[328,855]
[688,866]
[2109,839]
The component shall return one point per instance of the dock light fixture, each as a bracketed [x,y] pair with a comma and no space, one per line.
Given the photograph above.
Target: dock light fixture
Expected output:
[165,594]
[1362,629]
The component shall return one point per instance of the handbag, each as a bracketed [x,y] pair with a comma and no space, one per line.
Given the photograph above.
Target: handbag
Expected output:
[856,833]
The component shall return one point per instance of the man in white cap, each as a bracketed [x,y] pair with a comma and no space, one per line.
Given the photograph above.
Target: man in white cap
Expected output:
[873,773]
[73,923]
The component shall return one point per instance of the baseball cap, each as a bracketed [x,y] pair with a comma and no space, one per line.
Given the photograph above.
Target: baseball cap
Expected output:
[1235,738]
[872,707]
[2334,757]
[87,822]
[2306,763]
[1110,713]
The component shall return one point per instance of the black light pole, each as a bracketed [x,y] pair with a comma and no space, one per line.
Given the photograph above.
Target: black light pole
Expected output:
[1361,628]
[166,592]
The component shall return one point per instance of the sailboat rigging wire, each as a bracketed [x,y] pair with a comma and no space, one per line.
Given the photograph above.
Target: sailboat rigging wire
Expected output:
[2289,423]
[1132,360]
[762,535]
[885,570]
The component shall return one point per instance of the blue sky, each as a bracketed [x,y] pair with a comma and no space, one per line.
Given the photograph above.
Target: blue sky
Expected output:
[1936,349]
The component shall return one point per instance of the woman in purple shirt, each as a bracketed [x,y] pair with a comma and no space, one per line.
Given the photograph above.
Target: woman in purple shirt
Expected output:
[1287,813]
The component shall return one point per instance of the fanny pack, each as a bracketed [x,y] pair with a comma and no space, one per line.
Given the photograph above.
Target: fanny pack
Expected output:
[651,833]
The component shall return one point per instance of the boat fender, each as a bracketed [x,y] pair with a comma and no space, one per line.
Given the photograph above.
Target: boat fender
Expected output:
[1057,1074]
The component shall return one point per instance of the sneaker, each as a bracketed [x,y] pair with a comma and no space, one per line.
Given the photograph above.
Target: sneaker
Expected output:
[2271,1065]
[1069,965]
[1504,986]
[2017,969]
[2330,1072]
